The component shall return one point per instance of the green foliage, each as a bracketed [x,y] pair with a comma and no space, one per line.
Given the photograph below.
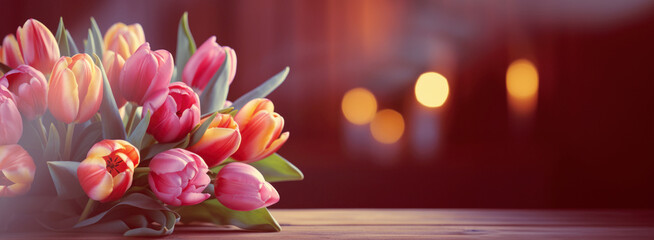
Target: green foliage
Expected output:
[185,47]
[112,124]
[200,129]
[262,90]
[136,137]
[213,97]
[64,176]
[277,169]
[212,211]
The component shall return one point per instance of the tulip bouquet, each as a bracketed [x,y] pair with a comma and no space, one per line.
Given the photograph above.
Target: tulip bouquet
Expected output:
[120,138]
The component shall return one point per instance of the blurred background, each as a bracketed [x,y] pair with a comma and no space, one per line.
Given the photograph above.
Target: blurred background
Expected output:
[501,103]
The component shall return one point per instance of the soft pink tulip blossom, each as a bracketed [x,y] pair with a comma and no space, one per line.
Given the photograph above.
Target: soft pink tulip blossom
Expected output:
[220,141]
[241,187]
[205,62]
[260,131]
[11,123]
[145,76]
[16,170]
[113,65]
[11,55]
[177,116]
[30,89]
[107,171]
[38,46]
[75,91]
[124,39]
[178,177]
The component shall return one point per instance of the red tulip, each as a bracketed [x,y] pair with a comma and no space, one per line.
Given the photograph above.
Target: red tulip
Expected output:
[174,119]
[146,75]
[30,88]
[16,170]
[107,171]
[260,131]
[205,62]
[11,124]
[38,46]
[241,187]
[220,141]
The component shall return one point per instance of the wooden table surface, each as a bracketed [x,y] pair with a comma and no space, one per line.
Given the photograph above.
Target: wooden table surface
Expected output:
[425,224]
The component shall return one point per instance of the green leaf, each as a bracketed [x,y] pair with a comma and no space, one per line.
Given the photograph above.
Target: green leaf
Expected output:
[213,212]
[62,39]
[199,130]
[112,124]
[262,90]
[136,137]
[98,42]
[91,135]
[185,47]
[157,148]
[53,147]
[71,44]
[213,97]
[277,169]
[64,176]
[89,44]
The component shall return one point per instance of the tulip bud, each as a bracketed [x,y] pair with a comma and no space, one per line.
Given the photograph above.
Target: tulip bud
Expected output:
[113,65]
[75,91]
[107,171]
[177,116]
[38,46]
[260,131]
[11,55]
[30,88]
[241,187]
[16,170]
[11,124]
[220,141]
[146,75]
[205,62]
[178,177]
[124,39]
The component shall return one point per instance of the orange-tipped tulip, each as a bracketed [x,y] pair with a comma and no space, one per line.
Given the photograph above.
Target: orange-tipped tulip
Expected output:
[113,65]
[145,76]
[124,39]
[204,63]
[220,141]
[16,170]
[29,88]
[11,123]
[75,91]
[260,131]
[107,171]
[11,55]
[38,46]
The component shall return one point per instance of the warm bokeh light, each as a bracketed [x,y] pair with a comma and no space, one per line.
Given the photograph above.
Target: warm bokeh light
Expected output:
[432,89]
[359,106]
[387,126]
[522,86]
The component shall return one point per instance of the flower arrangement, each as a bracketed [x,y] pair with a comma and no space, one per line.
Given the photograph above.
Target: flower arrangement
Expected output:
[124,139]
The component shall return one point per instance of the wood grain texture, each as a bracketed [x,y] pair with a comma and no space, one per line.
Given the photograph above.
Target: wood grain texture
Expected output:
[424,224]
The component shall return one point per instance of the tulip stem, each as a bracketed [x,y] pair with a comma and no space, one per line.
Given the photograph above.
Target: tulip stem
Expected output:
[141,170]
[130,120]
[69,140]
[41,130]
[87,210]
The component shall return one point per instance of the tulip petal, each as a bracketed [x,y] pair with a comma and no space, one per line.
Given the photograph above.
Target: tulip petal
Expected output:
[63,97]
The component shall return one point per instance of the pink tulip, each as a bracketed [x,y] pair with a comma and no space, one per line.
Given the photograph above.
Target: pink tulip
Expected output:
[174,119]
[178,177]
[146,75]
[124,39]
[113,65]
[11,124]
[107,171]
[220,141]
[241,187]
[205,62]
[30,88]
[38,46]
[11,52]
[260,131]
[75,91]
[16,170]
